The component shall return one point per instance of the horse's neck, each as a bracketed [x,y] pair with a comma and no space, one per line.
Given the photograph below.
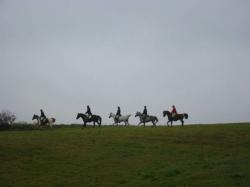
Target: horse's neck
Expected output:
[83,116]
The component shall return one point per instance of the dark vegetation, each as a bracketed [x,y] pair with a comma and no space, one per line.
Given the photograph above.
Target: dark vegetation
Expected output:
[7,118]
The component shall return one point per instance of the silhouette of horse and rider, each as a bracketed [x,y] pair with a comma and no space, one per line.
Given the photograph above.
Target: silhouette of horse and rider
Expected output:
[89,117]
[174,116]
[144,117]
[43,120]
[118,117]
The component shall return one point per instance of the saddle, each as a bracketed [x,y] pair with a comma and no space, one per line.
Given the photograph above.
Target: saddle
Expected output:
[89,116]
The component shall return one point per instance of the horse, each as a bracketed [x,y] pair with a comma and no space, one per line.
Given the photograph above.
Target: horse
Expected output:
[48,121]
[148,118]
[94,118]
[120,119]
[175,118]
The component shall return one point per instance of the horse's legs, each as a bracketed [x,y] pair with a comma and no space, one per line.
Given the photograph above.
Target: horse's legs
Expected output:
[156,121]
[168,123]
[127,124]
[182,122]
[115,123]
[171,123]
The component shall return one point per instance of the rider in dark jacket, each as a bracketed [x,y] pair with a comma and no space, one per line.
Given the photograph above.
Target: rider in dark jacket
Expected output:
[42,116]
[118,114]
[144,113]
[88,112]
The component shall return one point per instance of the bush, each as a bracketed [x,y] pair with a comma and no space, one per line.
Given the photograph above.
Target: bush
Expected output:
[7,118]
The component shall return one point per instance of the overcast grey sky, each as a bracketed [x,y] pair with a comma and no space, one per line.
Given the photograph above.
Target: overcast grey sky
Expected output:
[63,55]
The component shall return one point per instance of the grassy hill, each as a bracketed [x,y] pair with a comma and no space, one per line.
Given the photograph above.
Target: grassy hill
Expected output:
[199,155]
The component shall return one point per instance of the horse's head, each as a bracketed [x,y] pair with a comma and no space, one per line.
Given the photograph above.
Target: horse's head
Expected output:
[35,117]
[110,115]
[137,114]
[78,116]
[166,113]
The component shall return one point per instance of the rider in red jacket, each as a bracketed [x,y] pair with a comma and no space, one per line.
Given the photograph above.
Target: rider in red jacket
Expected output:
[174,111]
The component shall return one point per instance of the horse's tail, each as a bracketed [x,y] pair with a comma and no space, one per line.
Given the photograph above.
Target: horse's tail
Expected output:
[156,119]
[185,115]
[100,121]
[53,120]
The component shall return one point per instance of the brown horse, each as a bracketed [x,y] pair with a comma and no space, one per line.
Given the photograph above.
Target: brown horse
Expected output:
[175,118]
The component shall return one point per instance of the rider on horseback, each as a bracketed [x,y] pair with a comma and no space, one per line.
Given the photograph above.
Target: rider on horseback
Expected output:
[144,113]
[174,111]
[42,117]
[118,114]
[89,113]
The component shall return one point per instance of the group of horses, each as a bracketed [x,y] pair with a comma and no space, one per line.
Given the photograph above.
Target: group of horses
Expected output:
[124,118]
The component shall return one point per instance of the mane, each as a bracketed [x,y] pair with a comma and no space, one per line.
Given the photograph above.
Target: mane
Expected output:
[80,115]
[138,114]
[166,112]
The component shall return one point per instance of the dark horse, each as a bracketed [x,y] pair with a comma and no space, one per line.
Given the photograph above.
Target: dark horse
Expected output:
[175,118]
[86,119]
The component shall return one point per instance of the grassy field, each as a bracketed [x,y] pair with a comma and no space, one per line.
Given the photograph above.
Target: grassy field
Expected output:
[199,155]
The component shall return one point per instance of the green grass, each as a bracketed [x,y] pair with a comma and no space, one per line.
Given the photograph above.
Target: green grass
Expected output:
[201,155]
